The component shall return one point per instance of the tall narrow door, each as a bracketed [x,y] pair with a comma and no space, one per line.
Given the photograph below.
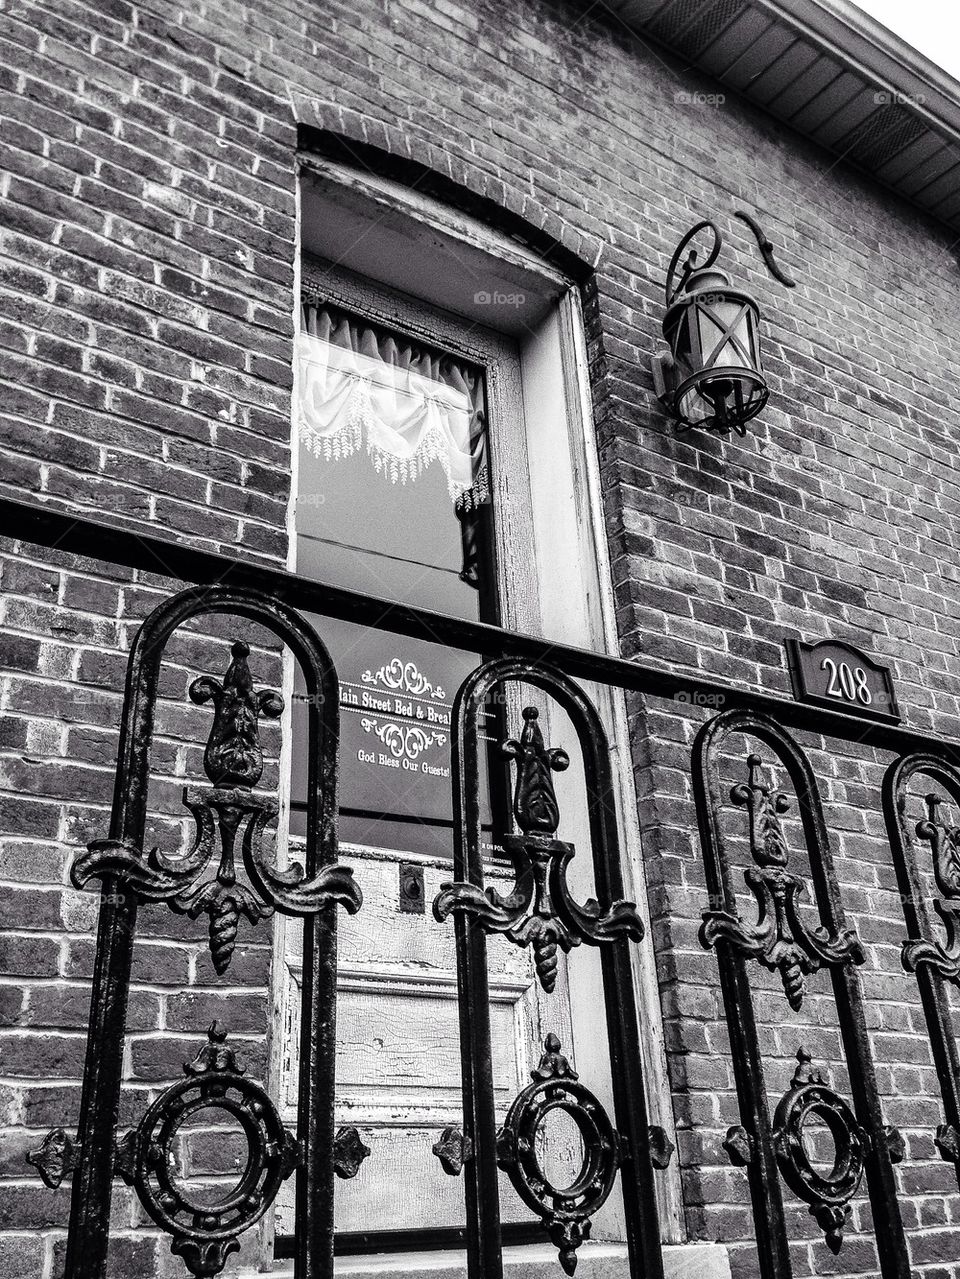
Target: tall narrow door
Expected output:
[412,486]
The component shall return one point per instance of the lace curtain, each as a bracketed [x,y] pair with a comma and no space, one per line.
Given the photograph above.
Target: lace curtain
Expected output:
[359,387]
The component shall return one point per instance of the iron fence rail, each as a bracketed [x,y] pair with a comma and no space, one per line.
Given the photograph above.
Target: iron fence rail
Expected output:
[539,912]
[50,527]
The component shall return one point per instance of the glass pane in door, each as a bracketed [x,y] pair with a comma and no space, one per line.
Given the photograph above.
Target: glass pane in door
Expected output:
[393,501]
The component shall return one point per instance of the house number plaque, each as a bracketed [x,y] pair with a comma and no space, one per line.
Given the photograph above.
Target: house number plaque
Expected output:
[838,675]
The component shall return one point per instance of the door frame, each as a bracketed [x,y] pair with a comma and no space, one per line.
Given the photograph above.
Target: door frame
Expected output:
[594,625]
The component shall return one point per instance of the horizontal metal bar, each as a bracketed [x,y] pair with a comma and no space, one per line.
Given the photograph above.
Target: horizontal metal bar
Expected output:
[120,545]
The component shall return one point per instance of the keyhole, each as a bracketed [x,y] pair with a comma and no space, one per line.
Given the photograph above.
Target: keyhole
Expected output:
[411,889]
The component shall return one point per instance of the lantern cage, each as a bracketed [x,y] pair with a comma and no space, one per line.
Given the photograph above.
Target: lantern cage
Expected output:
[713,377]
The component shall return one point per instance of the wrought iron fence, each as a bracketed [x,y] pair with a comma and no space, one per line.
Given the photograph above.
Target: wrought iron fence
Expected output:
[540,911]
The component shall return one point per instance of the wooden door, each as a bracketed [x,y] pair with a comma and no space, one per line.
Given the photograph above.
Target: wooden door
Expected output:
[374,515]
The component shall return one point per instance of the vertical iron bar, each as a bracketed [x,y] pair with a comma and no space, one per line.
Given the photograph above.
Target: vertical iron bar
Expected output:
[630,1108]
[881,1183]
[88,1238]
[763,1175]
[481,1184]
[942,1043]
[622,1015]
[933,993]
[484,1246]
[89,1233]
[317,1096]
[316,1112]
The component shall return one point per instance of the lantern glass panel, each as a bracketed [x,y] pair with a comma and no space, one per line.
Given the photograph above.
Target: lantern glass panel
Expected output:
[727,334]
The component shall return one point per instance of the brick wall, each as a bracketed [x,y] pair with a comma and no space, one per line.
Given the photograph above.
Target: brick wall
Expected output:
[146,272]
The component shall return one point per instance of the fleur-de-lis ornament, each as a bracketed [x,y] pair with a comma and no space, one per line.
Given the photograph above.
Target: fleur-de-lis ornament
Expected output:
[944,841]
[780,939]
[540,911]
[534,798]
[234,756]
[232,820]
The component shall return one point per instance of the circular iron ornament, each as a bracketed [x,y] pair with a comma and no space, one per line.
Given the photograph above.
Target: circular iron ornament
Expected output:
[565,1210]
[204,1232]
[828,1195]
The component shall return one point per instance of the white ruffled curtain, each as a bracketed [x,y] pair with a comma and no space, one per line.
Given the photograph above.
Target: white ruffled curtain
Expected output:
[409,407]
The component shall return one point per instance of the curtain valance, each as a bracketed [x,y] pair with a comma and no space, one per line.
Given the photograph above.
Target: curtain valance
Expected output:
[408,406]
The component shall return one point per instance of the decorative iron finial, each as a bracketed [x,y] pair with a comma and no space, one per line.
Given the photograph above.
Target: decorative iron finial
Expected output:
[231,819]
[780,939]
[553,1064]
[944,843]
[805,1073]
[767,844]
[535,800]
[233,756]
[214,1057]
[539,911]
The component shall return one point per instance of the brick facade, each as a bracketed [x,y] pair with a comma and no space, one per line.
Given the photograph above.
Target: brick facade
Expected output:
[147,260]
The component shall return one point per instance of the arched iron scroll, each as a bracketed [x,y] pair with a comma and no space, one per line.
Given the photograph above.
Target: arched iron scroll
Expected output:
[541,912]
[935,959]
[780,940]
[228,812]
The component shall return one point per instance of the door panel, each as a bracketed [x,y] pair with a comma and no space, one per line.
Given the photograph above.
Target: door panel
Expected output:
[398,1058]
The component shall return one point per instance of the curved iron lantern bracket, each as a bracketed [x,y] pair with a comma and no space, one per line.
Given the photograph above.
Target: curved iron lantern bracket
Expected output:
[671,290]
[765,245]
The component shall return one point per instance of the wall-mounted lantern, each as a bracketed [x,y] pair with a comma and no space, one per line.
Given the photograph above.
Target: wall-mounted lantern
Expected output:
[713,376]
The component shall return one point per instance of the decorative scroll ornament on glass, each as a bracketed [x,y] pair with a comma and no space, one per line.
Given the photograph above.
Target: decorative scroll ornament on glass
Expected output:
[399,676]
[944,844]
[404,741]
[565,1211]
[539,911]
[780,939]
[233,761]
